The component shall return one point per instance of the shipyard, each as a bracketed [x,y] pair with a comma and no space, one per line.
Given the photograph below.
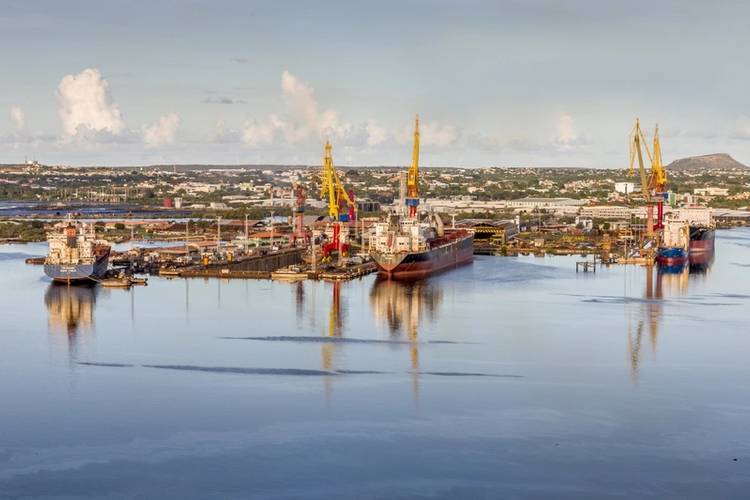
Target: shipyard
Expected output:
[422,250]
[318,228]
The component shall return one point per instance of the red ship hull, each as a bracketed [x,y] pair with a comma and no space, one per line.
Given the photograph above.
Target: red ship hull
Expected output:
[454,249]
[671,261]
[701,251]
[701,241]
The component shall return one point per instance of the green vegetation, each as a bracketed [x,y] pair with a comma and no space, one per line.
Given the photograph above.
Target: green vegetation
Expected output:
[25,231]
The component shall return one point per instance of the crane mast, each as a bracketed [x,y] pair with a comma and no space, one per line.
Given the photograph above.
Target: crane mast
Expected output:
[412,178]
[658,180]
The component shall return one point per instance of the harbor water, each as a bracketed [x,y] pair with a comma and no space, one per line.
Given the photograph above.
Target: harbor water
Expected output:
[505,378]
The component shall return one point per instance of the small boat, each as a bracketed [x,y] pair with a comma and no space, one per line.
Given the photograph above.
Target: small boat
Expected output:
[115,282]
[291,273]
[169,271]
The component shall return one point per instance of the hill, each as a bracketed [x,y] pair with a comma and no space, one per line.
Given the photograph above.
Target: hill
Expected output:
[717,161]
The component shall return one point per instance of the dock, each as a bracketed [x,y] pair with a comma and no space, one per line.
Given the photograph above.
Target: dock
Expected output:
[586,266]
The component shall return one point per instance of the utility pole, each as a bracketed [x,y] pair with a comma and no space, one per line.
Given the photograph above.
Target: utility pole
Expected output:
[314,261]
[246,233]
[218,233]
[272,215]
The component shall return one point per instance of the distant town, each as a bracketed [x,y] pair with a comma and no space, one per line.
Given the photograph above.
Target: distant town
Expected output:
[578,197]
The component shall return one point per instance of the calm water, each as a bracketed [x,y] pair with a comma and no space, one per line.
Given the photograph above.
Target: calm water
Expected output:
[506,378]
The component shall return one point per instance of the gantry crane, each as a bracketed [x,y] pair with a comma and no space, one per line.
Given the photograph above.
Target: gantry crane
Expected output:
[653,183]
[412,178]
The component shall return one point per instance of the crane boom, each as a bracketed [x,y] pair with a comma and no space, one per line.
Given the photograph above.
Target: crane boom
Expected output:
[412,178]
[637,143]
[332,188]
[658,172]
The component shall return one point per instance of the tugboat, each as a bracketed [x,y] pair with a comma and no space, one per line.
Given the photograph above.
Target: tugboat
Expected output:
[412,245]
[75,254]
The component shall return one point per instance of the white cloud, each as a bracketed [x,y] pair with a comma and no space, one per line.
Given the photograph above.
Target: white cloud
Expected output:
[261,134]
[567,135]
[375,133]
[436,134]
[163,131]
[303,104]
[18,117]
[566,132]
[431,134]
[85,104]
[742,128]
[304,119]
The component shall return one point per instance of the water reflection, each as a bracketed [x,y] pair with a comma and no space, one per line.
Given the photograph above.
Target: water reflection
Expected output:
[70,311]
[660,283]
[402,305]
[335,327]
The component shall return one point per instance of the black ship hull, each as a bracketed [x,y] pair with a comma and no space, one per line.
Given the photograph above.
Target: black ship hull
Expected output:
[76,273]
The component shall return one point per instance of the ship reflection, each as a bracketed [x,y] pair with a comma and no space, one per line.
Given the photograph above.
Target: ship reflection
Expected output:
[335,327]
[661,283]
[70,312]
[402,305]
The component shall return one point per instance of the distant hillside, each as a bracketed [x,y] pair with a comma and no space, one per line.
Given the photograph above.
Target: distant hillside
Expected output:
[718,161]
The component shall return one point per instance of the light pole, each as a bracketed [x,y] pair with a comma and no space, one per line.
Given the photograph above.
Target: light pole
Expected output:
[218,233]
[272,214]
[246,234]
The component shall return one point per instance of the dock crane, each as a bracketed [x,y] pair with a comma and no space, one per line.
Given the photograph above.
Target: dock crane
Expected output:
[333,190]
[412,178]
[653,183]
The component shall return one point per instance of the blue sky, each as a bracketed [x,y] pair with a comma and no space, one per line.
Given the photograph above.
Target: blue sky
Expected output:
[495,83]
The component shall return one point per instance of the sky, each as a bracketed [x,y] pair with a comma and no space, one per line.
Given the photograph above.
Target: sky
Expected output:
[496,83]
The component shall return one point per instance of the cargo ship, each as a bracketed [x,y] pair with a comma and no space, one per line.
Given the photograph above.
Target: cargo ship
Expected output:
[702,235]
[404,247]
[688,237]
[410,244]
[75,254]
[674,248]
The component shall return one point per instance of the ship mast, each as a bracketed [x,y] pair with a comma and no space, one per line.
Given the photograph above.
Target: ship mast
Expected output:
[412,179]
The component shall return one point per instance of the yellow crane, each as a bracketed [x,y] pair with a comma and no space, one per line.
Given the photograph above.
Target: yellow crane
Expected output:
[412,178]
[658,172]
[653,183]
[332,188]
[637,144]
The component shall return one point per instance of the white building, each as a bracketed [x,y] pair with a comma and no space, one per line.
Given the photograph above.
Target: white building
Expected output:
[711,191]
[626,187]
[606,212]
[556,204]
